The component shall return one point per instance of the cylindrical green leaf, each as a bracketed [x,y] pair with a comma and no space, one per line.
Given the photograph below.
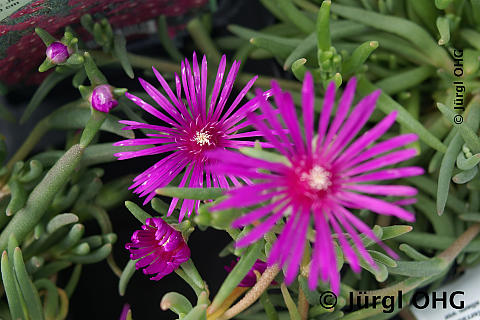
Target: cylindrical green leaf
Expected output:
[443,26]
[46,37]
[426,11]
[81,249]
[382,258]
[467,164]
[323,26]
[191,193]
[177,303]
[127,274]
[60,221]
[446,169]
[358,57]
[51,300]
[120,51]
[426,268]
[95,76]
[93,241]
[74,278]
[29,292]
[35,170]
[10,286]
[18,197]
[137,212]
[292,308]
[295,16]
[278,49]
[40,198]
[51,269]
[72,238]
[191,271]
[299,69]
[473,217]
[465,176]
[402,81]
[399,26]
[94,257]
[197,313]
[412,252]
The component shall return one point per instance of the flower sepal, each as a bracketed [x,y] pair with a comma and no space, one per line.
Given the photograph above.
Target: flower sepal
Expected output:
[119,92]
[103,34]
[46,65]
[75,59]
[46,37]
[85,91]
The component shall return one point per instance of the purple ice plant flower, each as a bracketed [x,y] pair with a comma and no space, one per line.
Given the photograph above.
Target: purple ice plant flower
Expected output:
[250,278]
[159,247]
[322,178]
[57,52]
[187,132]
[102,98]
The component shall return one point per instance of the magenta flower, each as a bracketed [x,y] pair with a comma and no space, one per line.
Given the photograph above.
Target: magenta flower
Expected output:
[322,177]
[189,132]
[102,98]
[160,248]
[57,52]
[251,278]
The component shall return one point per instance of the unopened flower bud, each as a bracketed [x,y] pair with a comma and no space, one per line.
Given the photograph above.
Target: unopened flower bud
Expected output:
[102,98]
[57,52]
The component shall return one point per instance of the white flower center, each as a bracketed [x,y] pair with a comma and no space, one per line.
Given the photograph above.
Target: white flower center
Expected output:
[318,178]
[202,138]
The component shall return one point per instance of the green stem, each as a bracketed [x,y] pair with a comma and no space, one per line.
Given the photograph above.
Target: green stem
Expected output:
[188,280]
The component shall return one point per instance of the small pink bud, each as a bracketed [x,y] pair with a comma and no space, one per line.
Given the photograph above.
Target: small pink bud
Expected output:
[57,52]
[102,98]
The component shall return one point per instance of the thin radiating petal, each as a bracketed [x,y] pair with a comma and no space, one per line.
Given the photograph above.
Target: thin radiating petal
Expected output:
[377,205]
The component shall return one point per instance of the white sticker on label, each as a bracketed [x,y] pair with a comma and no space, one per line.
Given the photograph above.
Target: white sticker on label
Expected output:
[465,291]
[7,7]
